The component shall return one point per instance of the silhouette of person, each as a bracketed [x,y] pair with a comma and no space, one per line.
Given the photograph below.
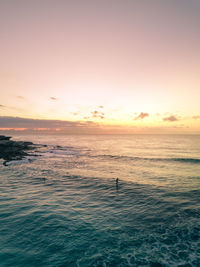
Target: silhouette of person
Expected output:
[117,181]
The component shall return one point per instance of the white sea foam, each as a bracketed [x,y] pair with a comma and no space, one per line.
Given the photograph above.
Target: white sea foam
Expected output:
[27,159]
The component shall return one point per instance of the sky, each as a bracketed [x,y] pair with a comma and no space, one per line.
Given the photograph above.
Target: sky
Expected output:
[100,66]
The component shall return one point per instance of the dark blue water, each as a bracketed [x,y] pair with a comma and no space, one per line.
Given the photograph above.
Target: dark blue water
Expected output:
[65,209]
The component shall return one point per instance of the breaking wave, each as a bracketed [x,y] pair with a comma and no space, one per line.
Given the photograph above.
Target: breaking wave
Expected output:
[185,160]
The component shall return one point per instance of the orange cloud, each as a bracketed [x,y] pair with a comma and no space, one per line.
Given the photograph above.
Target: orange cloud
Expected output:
[196,117]
[142,115]
[97,114]
[15,129]
[171,118]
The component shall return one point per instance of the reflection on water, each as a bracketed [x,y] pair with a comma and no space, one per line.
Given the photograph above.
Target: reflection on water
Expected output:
[66,208]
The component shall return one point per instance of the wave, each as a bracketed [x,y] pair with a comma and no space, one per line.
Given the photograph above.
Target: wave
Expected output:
[59,151]
[189,160]
[27,159]
[184,160]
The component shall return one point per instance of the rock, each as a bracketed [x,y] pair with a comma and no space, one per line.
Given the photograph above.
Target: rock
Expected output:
[13,150]
[3,137]
[6,143]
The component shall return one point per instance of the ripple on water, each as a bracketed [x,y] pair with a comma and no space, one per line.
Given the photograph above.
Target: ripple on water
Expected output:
[53,214]
[95,225]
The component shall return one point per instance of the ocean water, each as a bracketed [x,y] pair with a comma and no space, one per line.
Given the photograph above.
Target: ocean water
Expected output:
[64,208]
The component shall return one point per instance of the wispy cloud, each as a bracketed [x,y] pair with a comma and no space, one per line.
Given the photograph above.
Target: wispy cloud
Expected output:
[75,113]
[171,118]
[20,97]
[101,106]
[196,117]
[142,115]
[11,108]
[97,114]
[53,98]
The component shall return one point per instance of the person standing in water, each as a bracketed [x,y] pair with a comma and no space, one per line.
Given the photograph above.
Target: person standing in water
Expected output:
[117,181]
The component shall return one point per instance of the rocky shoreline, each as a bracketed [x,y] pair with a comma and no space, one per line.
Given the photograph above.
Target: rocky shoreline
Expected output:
[14,150]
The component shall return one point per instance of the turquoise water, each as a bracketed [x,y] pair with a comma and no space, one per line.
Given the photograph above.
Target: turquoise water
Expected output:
[64,208]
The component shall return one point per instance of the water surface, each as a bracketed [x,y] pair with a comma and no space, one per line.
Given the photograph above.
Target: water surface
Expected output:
[65,209]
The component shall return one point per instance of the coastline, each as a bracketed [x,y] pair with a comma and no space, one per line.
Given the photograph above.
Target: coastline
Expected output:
[14,150]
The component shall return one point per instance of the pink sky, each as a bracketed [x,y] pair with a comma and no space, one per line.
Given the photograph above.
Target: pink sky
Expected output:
[62,60]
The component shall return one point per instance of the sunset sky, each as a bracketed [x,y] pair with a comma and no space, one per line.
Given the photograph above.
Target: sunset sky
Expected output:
[100,66]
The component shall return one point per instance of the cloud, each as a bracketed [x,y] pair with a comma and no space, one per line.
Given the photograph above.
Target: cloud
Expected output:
[171,118]
[196,117]
[142,115]
[97,114]
[11,108]
[75,113]
[10,125]
[53,98]
[20,97]
[101,106]
[31,125]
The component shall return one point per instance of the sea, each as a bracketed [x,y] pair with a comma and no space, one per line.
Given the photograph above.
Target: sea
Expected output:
[65,208]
